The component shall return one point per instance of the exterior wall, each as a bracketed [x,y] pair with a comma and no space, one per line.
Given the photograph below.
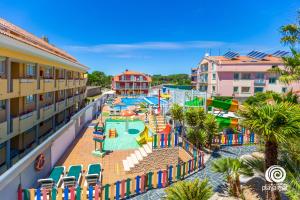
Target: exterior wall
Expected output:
[93,91]
[224,82]
[23,172]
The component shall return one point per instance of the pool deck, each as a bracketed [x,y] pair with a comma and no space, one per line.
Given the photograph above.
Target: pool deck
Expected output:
[80,152]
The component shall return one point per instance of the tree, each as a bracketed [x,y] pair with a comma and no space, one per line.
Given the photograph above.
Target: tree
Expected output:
[97,78]
[189,190]
[291,70]
[290,37]
[194,117]
[211,127]
[177,113]
[197,136]
[232,168]
[177,79]
[273,123]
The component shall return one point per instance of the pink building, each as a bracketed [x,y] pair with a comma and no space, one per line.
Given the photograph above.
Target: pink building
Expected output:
[240,76]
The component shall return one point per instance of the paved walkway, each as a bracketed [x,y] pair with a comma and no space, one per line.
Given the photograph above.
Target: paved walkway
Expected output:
[215,179]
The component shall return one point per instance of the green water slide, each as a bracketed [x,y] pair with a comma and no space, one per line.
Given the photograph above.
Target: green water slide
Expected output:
[231,105]
[196,102]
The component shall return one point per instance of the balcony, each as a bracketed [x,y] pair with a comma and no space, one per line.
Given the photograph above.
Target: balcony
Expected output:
[28,86]
[3,129]
[82,82]
[60,106]
[28,120]
[61,84]
[77,82]
[47,111]
[70,101]
[70,83]
[260,82]
[76,98]
[48,85]
[3,88]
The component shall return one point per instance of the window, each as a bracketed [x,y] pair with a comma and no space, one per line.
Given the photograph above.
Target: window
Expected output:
[2,105]
[246,76]
[258,89]
[30,70]
[48,95]
[48,72]
[213,88]
[213,67]
[245,89]
[235,89]
[272,80]
[284,89]
[236,76]
[2,65]
[29,99]
[259,75]
[214,76]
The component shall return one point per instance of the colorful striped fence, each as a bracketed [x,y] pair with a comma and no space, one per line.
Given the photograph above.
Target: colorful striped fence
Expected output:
[121,189]
[236,139]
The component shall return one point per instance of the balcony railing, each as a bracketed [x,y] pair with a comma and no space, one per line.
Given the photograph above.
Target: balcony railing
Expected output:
[259,82]
[3,129]
[27,86]
[47,111]
[60,105]
[70,101]
[48,85]
[27,121]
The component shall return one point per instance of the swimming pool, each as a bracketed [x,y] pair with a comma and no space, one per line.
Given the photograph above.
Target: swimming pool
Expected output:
[123,140]
[132,101]
[154,100]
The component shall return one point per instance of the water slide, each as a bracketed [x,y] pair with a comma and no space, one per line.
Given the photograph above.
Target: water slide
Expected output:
[230,105]
[144,136]
[196,102]
[225,122]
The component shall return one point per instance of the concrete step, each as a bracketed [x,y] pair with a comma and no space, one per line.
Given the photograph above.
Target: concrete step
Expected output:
[138,155]
[126,166]
[147,149]
[134,159]
[130,162]
[142,151]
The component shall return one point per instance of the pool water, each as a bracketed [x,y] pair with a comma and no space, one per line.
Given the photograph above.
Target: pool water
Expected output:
[132,101]
[154,100]
[123,140]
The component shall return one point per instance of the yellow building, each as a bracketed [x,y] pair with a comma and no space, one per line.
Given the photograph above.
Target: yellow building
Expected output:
[41,87]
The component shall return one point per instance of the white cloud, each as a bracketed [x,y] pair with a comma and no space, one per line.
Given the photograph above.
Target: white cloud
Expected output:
[108,48]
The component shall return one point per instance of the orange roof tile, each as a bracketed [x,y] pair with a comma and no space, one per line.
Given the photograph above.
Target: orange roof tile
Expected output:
[245,60]
[129,72]
[15,32]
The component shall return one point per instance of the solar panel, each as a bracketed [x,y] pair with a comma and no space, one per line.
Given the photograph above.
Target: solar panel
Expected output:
[280,53]
[231,55]
[257,55]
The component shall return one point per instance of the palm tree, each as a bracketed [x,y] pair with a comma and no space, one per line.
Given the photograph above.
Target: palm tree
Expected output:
[197,136]
[194,117]
[211,127]
[177,113]
[189,190]
[232,168]
[291,70]
[274,123]
[291,33]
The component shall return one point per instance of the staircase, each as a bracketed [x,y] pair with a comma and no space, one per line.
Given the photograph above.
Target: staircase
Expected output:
[136,157]
[157,123]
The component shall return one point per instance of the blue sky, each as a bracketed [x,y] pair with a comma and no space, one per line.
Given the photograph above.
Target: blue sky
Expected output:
[157,36]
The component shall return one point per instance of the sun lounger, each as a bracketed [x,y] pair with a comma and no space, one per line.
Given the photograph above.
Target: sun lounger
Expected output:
[93,175]
[73,177]
[54,178]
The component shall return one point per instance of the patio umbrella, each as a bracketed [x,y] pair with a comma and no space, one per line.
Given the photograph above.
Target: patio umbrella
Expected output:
[127,113]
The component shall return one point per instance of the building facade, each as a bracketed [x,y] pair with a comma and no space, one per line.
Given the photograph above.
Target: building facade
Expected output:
[240,76]
[41,87]
[131,83]
[194,72]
